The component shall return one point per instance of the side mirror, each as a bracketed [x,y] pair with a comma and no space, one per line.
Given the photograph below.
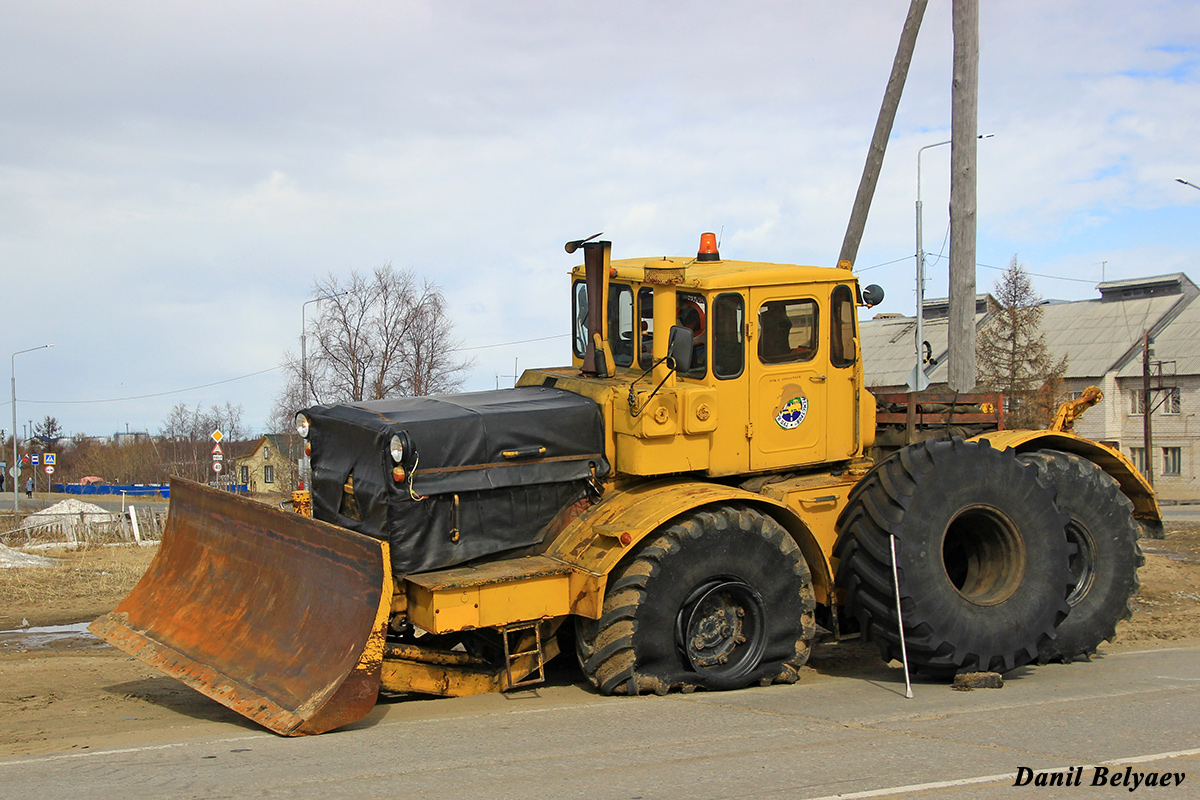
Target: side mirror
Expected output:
[680,342]
[872,295]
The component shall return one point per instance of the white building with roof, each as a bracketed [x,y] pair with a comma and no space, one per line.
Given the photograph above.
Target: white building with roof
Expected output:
[1102,339]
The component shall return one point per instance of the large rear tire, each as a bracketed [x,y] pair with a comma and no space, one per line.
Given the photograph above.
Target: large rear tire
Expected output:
[1105,557]
[721,598]
[980,551]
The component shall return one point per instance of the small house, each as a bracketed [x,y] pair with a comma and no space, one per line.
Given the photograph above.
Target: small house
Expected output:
[272,466]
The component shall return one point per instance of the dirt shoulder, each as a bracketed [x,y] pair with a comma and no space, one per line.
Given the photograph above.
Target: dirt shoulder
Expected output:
[73,693]
[1166,609]
[80,586]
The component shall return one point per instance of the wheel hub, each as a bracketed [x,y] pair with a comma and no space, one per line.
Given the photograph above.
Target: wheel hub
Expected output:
[720,628]
[1081,563]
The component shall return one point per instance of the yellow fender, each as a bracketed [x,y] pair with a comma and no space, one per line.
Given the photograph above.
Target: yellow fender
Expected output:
[1133,484]
[597,540]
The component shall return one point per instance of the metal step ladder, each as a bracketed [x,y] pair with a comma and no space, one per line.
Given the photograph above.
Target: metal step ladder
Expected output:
[538,673]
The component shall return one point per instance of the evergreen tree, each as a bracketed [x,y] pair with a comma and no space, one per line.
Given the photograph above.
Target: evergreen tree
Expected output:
[48,430]
[1012,353]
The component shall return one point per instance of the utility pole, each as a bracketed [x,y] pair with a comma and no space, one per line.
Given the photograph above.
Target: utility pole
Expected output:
[1147,428]
[964,112]
[16,469]
[883,130]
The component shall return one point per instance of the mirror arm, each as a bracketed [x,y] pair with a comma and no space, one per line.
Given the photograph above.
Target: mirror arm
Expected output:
[634,410]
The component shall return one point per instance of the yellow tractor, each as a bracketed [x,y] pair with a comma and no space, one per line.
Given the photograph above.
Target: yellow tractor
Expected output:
[682,507]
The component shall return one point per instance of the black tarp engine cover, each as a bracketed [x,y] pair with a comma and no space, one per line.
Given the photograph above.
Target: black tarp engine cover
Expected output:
[485,471]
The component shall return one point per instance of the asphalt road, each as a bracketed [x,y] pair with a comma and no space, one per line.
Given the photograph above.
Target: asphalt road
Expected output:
[110,502]
[1188,513]
[838,735]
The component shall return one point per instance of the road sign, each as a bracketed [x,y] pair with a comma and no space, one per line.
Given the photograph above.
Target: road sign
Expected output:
[218,457]
[33,458]
[216,466]
[15,472]
[48,458]
[217,450]
[217,436]
[49,469]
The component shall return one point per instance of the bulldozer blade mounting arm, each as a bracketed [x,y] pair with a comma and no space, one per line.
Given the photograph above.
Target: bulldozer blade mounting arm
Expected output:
[280,617]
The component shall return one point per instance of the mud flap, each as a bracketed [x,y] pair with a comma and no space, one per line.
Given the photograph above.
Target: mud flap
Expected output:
[280,617]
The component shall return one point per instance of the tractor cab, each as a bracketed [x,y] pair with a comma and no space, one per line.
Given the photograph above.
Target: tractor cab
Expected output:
[714,366]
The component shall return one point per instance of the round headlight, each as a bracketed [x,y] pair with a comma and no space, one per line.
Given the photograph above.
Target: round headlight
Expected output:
[396,448]
[302,425]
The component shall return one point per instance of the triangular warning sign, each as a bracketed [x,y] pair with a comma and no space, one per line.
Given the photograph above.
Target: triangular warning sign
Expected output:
[217,450]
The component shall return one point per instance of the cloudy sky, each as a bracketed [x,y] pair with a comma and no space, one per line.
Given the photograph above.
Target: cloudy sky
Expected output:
[175,176]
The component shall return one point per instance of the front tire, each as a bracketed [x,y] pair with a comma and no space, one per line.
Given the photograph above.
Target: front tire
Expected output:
[721,598]
[980,552]
[1105,556]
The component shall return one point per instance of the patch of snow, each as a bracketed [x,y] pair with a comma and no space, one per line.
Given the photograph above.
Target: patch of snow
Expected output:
[15,558]
[70,511]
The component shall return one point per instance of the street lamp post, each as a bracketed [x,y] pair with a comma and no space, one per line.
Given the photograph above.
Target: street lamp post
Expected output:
[12,364]
[1187,183]
[304,468]
[919,381]
[304,344]
[304,353]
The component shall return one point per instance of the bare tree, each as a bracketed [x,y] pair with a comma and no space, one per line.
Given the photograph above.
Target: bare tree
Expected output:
[135,462]
[291,398]
[380,335]
[1013,356]
[432,366]
[186,443]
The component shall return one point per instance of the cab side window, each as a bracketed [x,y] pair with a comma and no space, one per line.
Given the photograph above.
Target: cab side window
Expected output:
[691,311]
[729,332]
[579,320]
[646,326]
[620,324]
[787,331]
[841,329]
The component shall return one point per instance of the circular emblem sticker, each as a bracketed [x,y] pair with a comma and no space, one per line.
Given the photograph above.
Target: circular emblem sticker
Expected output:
[792,413]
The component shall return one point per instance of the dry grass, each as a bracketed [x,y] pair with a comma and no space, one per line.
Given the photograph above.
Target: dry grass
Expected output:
[82,582]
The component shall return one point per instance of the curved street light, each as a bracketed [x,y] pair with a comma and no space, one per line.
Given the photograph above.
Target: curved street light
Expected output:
[919,381]
[304,466]
[304,343]
[16,470]
[1187,183]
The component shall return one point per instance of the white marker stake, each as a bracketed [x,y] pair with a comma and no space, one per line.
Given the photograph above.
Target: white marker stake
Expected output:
[900,620]
[133,525]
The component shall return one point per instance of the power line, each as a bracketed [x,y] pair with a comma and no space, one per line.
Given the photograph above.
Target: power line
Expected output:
[506,344]
[884,264]
[249,375]
[155,394]
[940,257]
[1041,275]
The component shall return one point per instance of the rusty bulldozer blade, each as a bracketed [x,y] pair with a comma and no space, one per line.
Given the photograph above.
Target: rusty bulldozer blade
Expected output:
[278,616]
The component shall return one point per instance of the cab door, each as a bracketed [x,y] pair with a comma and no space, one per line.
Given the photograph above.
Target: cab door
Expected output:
[789,361]
[842,389]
